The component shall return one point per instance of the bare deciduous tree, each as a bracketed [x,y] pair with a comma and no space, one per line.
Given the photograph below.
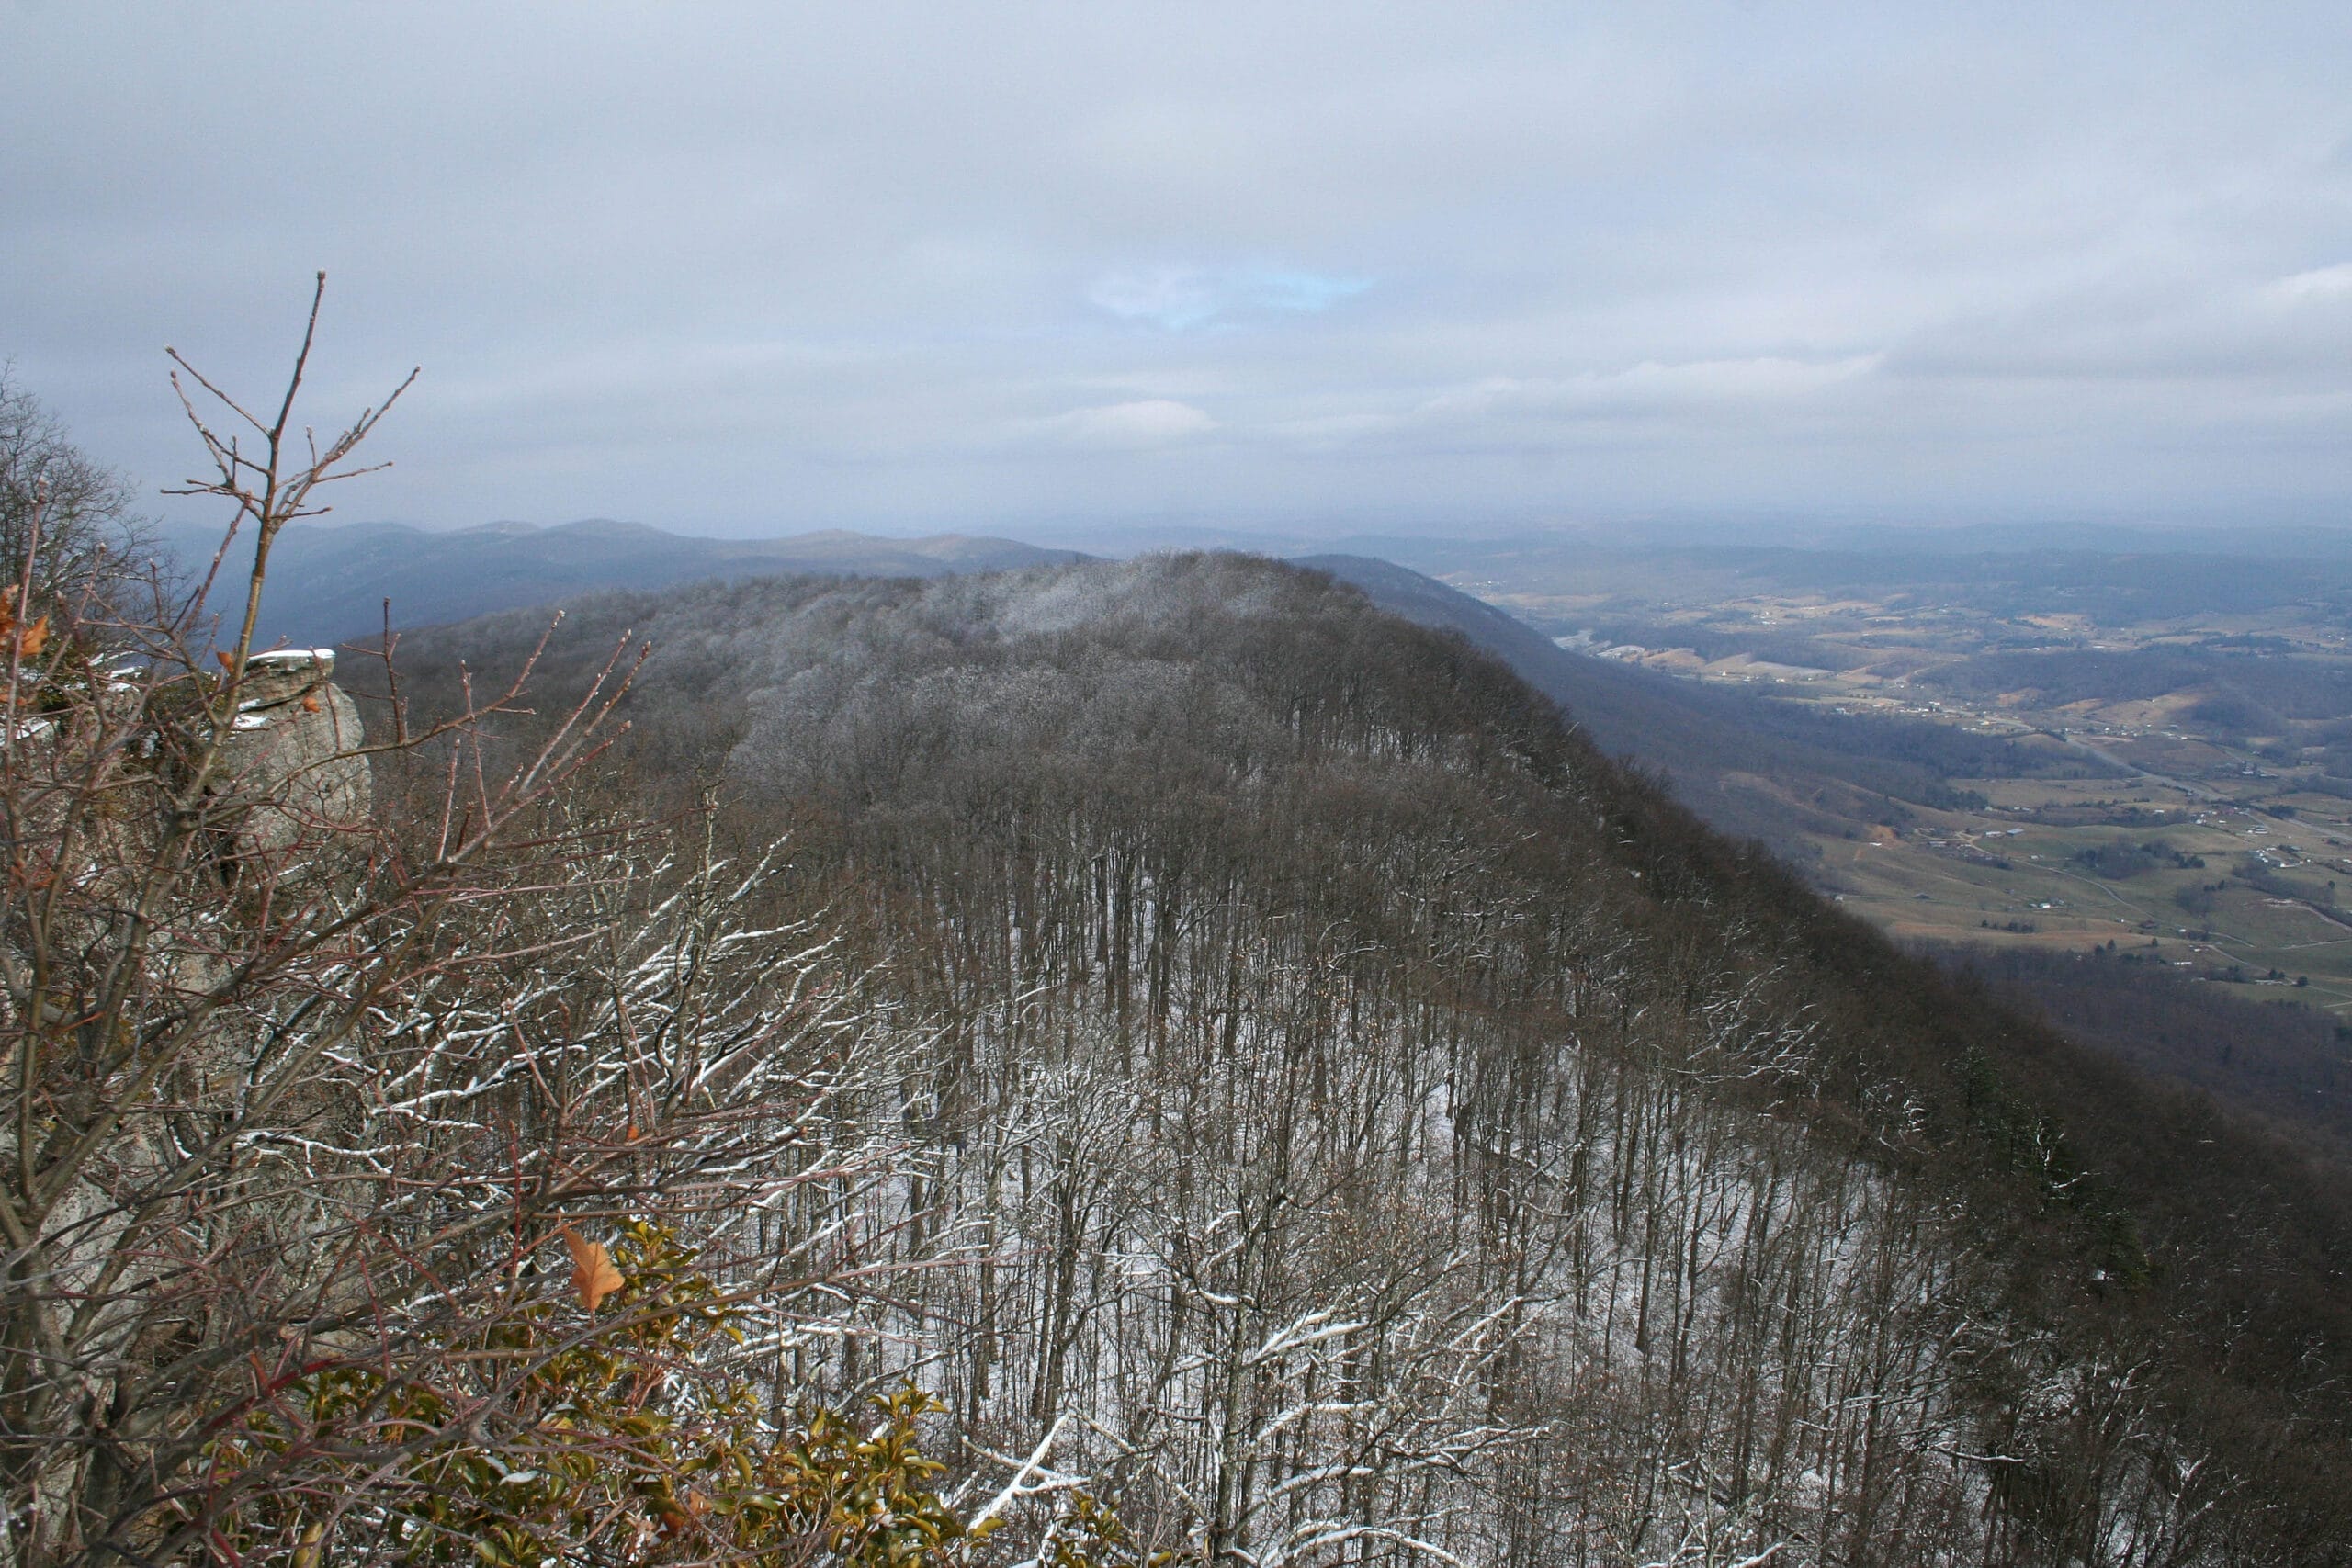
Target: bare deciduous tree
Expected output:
[326,1055]
[91,540]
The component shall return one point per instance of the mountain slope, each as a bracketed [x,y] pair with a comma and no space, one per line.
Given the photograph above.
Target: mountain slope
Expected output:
[1751,766]
[1356,1109]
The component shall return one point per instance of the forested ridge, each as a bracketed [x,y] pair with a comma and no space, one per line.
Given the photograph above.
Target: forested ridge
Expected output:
[1354,1120]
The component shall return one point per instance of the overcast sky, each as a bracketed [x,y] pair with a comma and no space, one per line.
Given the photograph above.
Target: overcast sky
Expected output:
[763,268]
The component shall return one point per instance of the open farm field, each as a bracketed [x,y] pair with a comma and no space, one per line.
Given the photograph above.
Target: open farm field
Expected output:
[2176,736]
[2233,877]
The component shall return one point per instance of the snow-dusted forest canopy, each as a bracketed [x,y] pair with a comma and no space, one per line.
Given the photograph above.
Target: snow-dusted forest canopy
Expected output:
[1347,1120]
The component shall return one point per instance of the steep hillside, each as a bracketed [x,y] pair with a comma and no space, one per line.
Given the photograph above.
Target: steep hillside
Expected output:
[2289,1066]
[1752,767]
[1362,1122]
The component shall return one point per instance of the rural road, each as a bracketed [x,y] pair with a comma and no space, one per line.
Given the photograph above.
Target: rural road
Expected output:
[2201,791]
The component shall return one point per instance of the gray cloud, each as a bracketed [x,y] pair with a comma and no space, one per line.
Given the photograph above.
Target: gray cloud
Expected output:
[726,268]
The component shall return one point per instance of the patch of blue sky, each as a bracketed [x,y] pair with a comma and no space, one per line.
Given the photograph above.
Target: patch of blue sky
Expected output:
[1308,291]
[1181,299]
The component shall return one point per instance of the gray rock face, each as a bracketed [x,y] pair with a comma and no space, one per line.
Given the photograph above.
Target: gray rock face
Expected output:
[96,780]
[289,753]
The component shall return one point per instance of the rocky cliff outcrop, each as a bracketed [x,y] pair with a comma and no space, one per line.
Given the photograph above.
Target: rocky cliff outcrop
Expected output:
[290,758]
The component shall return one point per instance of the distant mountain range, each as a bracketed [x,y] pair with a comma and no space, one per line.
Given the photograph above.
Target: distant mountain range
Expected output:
[328,585]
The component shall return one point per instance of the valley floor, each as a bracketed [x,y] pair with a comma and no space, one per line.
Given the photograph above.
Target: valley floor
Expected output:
[2212,851]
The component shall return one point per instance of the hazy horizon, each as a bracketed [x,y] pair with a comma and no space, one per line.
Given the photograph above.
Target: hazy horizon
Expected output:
[1295,270]
[2319,541]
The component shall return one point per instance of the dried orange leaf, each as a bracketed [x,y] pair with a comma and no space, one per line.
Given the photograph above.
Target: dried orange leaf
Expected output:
[36,637]
[593,1274]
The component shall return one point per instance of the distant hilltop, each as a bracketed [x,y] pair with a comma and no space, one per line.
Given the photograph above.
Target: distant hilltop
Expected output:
[328,584]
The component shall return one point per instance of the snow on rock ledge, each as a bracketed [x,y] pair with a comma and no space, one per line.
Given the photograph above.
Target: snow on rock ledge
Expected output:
[291,751]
